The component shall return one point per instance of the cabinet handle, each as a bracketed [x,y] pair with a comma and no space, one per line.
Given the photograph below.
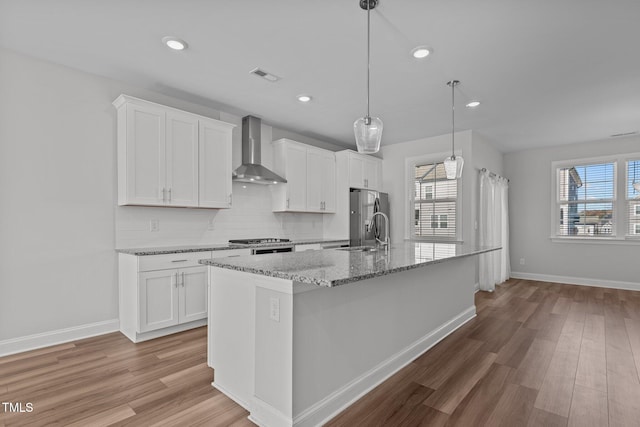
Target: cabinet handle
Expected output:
[287,203]
[176,282]
[179,260]
[182,276]
[230,199]
[164,195]
[169,195]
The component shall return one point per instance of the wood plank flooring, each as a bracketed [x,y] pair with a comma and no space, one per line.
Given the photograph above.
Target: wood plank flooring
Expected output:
[537,354]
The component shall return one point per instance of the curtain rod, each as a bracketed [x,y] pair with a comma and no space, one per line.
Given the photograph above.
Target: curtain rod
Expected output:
[494,174]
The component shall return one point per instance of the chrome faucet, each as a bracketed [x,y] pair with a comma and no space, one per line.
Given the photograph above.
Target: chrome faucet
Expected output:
[386,229]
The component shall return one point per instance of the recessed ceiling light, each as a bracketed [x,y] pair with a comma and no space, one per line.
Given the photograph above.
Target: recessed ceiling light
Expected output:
[473,104]
[421,52]
[174,43]
[304,98]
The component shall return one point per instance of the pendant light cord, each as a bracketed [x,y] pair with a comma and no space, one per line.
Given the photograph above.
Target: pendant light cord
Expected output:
[453,121]
[368,120]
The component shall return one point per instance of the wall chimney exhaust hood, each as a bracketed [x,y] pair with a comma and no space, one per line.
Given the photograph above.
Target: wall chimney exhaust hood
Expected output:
[251,170]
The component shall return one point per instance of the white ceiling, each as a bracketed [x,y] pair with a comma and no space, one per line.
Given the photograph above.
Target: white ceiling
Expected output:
[548,72]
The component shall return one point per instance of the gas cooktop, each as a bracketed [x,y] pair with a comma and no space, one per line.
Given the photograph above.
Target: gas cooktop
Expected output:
[258,241]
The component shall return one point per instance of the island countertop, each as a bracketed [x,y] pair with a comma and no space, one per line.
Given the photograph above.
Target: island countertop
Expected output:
[161,250]
[334,267]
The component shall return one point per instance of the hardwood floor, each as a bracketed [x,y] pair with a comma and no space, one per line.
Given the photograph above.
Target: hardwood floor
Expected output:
[537,354]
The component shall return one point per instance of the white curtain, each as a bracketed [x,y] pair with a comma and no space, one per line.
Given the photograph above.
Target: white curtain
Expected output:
[495,266]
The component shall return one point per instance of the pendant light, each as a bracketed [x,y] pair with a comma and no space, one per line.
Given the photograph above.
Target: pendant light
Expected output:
[367,129]
[453,165]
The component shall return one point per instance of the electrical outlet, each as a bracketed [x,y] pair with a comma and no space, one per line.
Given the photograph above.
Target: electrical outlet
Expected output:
[274,309]
[210,224]
[154,225]
[521,261]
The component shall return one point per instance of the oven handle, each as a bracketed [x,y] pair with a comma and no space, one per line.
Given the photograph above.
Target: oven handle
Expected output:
[271,250]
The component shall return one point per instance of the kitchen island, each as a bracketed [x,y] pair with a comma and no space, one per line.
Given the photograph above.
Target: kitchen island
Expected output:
[295,338]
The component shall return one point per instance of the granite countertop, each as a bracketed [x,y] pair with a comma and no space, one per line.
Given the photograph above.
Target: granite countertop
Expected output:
[160,250]
[337,267]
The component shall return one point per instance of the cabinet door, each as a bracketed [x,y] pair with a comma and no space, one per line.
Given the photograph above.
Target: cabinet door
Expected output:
[329,182]
[215,165]
[182,159]
[356,171]
[145,156]
[372,172]
[193,294]
[315,178]
[158,299]
[296,166]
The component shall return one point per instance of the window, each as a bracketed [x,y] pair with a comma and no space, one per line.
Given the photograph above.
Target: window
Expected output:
[586,201]
[434,202]
[633,196]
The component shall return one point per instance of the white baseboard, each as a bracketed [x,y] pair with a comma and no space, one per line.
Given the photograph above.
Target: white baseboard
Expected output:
[60,336]
[265,415]
[332,405]
[230,395]
[613,284]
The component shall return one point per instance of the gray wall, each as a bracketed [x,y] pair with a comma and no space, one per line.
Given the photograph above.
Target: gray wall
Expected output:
[530,197]
[59,223]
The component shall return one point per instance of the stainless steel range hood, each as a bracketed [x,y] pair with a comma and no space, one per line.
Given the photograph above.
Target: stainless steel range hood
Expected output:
[251,170]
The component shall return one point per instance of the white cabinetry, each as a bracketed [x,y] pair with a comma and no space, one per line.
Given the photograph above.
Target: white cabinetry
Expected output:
[163,294]
[364,171]
[166,156]
[311,178]
[353,170]
[215,164]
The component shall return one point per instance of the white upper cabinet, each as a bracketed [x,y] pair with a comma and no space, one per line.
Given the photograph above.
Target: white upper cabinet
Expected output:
[364,171]
[215,164]
[181,148]
[168,157]
[310,174]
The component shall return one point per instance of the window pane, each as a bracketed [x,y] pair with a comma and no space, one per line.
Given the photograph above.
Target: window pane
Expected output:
[586,219]
[434,202]
[634,216]
[633,175]
[586,196]
[591,182]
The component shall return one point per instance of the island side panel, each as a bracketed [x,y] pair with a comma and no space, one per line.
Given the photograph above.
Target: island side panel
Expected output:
[349,338]
[231,333]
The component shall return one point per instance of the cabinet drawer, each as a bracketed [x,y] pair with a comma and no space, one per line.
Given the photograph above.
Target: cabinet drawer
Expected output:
[166,261]
[230,252]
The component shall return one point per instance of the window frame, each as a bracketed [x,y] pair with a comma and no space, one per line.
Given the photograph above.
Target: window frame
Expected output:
[409,222]
[621,213]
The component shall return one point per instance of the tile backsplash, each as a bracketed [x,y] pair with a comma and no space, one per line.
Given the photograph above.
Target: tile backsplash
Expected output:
[250,216]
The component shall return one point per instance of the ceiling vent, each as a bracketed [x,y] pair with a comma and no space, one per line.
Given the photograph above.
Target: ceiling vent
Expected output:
[615,135]
[265,75]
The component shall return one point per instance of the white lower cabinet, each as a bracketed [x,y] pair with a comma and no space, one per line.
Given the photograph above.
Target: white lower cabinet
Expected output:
[172,297]
[162,294]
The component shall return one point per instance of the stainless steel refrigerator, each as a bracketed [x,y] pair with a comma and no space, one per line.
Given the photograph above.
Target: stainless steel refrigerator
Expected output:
[363,203]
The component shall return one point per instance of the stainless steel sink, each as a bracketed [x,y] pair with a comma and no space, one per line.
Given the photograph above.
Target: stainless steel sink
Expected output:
[360,249]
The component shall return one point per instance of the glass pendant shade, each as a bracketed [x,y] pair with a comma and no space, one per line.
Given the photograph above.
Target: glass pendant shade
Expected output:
[368,132]
[453,167]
